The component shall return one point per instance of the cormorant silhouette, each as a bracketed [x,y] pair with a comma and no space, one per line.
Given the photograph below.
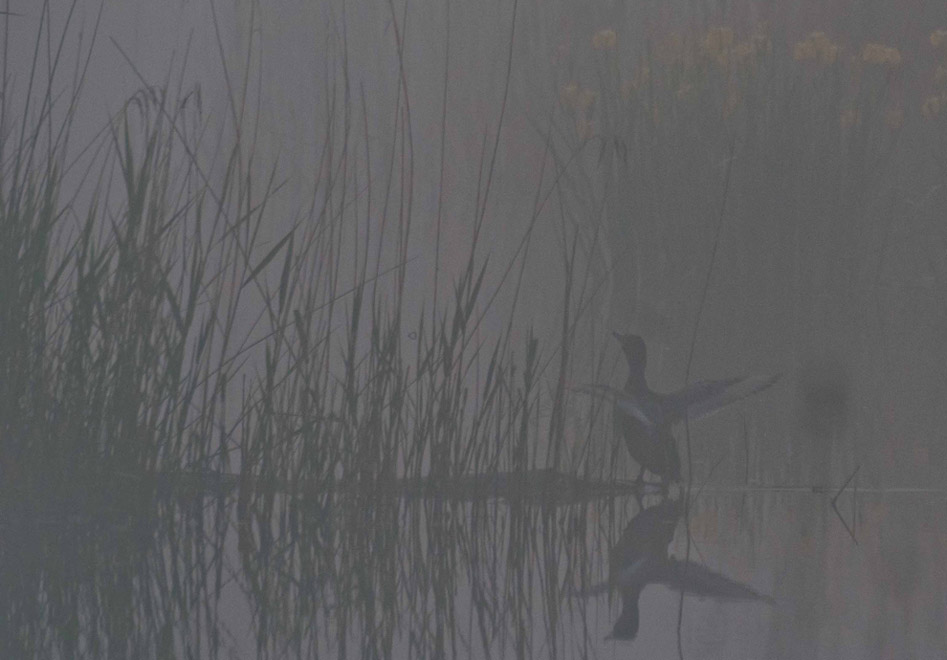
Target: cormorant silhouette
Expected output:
[641,558]
[643,417]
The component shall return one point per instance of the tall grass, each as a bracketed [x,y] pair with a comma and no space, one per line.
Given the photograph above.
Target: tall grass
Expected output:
[164,357]
[203,401]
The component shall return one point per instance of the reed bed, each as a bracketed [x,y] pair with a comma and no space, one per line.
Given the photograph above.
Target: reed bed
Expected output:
[196,410]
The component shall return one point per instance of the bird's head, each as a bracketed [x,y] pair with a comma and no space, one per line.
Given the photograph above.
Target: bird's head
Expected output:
[633,347]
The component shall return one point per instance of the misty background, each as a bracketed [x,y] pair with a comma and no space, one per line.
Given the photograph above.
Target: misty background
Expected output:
[754,187]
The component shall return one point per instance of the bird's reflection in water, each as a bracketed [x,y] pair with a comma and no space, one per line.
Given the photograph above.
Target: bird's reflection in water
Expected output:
[641,558]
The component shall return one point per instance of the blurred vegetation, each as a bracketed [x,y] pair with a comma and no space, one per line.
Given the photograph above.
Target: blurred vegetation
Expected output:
[837,158]
[194,410]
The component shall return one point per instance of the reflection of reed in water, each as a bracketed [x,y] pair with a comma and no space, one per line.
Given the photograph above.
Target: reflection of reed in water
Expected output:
[540,486]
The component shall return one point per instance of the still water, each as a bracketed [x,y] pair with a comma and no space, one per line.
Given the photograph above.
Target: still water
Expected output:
[196,566]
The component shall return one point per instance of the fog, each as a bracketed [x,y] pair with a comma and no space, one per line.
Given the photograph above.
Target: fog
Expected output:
[319,329]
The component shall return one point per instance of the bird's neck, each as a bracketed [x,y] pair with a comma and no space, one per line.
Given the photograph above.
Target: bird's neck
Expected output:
[636,381]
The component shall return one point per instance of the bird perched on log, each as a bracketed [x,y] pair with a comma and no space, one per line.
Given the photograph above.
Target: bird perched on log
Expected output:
[643,417]
[641,558]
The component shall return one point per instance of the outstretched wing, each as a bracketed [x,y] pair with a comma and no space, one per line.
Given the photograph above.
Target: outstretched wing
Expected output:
[697,580]
[706,397]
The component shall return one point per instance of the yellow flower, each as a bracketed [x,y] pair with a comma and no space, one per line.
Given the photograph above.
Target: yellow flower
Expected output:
[817,46]
[583,128]
[931,107]
[940,75]
[804,51]
[938,37]
[828,53]
[569,94]
[673,46]
[716,45]
[848,118]
[743,51]
[642,75]
[604,39]
[762,45]
[685,92]
[732,102]
[820,41]
[638,80]
[873,53]
[717,39]
[880,54]
[894,117]
[584,99]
